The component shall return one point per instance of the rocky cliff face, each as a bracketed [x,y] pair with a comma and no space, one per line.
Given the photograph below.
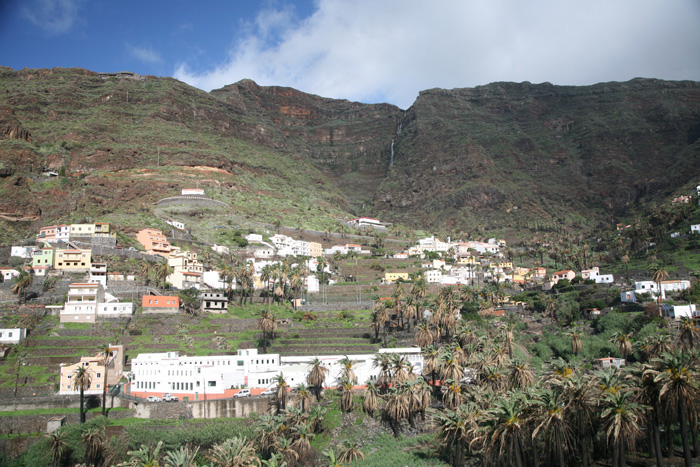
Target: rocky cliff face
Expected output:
[504,154]
[569,155]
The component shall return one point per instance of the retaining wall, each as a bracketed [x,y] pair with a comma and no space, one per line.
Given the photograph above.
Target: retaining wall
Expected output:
[338,306]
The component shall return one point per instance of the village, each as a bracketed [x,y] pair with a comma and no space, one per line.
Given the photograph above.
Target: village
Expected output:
[173,275]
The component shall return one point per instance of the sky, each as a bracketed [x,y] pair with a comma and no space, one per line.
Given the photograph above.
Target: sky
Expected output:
[362,50]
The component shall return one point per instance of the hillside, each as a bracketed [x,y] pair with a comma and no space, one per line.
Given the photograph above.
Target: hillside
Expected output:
[501,156]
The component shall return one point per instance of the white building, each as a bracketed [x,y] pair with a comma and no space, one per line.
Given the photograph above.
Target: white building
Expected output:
[192,192]
[212,279]
[652,287]
[12,335]
[254,238]
[216,377]
[8,274]
[366,222]
[87,301]
[22,251]
[178,225]
[695,228]
[433,276]
[98,274]
[312,284]
[683,311]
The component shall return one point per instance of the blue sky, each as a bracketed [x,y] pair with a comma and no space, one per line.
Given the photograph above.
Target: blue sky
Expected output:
[365,50]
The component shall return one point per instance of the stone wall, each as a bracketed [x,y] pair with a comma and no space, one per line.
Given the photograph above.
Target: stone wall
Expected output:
[238,408]
[192,201]
[37,423]
[337,306]
[106,251]
[94,241]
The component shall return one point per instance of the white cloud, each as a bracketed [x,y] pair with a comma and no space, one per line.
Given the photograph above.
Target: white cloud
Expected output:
[53,16]
[144,54]
[388,51]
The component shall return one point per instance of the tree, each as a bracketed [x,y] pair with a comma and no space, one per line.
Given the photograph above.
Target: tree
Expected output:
[346,369]
[660,274]
[576,343]
[623,341]
[679,393]
[552,423]
[351,452]
[267,323]
[82,379]
[316,377]
[58,447]
[369,403]
[93,439]
[20,361]
[621,419]
[506,428]
[347,401]
[105,355]
[22,283]
[396,409]
[304,396]
[163,271]
[281,393]
[189,301]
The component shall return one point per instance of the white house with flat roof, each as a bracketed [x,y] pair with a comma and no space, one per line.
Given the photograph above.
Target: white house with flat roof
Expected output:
[217,377]
[12,335]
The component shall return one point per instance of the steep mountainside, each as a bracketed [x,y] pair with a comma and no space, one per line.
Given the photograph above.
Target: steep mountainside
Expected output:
[542,153]
[501,155]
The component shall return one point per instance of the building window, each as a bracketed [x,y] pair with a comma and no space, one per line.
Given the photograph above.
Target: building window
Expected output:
[211,384]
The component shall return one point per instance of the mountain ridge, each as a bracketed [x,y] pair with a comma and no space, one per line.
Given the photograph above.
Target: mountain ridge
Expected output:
[498,156]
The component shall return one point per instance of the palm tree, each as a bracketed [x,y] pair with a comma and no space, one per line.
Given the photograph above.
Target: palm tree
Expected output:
[304,396]
[621,419]
[303,434]
[431,363]
[267,323]
[346,369]
[93,438]
[234,452]
[22,283]
[163,271]
[183,456]
[316,415]
[285,448]
[280,393]
[58,447]
[82,379]
[452,398]
[660,274]
[623,341]
[369,403]
[383,362]
[347,401]
[648,395]
[679,394]
[505,422]
[351,452]
[316,377]
[689,332]
[424,336]
[552,423]
[146,271]
[576,343]
[396,409]
[521,375]
[104,361]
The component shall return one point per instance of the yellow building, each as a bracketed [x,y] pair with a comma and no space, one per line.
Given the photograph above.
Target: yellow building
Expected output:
[115,370]
[102,230]
[391,277]
[82,230]
[73,260]
[315,249]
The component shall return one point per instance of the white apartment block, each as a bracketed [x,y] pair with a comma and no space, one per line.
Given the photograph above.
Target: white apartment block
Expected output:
[216,377]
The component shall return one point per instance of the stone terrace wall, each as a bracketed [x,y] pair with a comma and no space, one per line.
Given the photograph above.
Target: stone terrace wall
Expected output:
[106,251]
[337,306]
[238,408]
[191,200]
[37,423]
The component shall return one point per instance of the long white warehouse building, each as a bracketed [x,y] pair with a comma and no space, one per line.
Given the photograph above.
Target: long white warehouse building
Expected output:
[222,376]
